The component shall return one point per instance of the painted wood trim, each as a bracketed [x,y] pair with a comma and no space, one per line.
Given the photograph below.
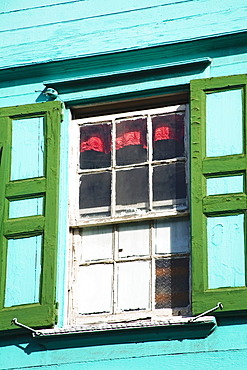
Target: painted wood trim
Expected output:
[219,165]
[87,65]
[107,84]
[201,168]
[69,84]
[44,313]
[23,188]
[33,225]
[120,32]
[224,203]
[127,332]
[33,315]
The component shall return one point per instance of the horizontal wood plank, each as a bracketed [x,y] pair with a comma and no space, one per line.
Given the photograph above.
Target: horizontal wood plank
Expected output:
[93,33]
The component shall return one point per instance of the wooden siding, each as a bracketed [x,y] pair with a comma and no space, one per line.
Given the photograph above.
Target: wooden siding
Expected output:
[49,30]
[64,29]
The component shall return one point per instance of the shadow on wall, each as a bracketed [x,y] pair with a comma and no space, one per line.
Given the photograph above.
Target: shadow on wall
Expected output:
[167,331]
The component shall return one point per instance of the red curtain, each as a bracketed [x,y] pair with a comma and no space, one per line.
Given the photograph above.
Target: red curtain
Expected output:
[96,137]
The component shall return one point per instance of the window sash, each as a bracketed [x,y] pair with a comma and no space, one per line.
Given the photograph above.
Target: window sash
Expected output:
[114,211]
[116,219]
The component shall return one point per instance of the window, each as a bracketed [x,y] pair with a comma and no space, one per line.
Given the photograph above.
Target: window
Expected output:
[218,182]
[129,218]
[29,169]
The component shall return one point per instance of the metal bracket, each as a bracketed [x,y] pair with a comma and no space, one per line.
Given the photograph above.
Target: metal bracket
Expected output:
[34,332]
[219,305]
[52,93]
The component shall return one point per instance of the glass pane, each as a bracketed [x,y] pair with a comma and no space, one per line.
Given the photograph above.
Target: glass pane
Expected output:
[133,285]
[226,257]
[225,185]
[168,136]
[95,289]
[23,271]
[26,207]
[224,123]
[133,239]
[95,193]
[171,236]
[96,243]
[131,141]
[27,157]
[168,184]
[132,188]
[95,146]
[172,283]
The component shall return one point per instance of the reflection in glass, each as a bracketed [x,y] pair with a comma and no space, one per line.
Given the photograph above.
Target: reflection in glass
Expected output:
[169,182]
[171,235]
[95,146]
[133,239]
[131,141]
[95,193]
[168,136]
[172,282]
[132,187]
[133,285]
[96,243]
[95,290]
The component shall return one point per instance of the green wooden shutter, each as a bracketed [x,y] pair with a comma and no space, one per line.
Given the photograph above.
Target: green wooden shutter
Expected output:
[218,192]
[29,174]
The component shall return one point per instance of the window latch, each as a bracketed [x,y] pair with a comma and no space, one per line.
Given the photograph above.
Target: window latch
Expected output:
[34,332]
[219,305]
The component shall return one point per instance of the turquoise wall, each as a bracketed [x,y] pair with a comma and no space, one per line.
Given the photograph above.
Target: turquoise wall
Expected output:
[53,30]
[37,44]
[224,349]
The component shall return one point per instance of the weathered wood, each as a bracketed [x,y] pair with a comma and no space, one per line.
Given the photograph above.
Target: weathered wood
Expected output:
[126,30]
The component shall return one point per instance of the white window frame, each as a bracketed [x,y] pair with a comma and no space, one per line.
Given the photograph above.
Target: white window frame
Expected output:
[77,222]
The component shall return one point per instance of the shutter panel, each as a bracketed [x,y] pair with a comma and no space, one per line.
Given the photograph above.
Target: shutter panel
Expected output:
[29,179]
[218,193]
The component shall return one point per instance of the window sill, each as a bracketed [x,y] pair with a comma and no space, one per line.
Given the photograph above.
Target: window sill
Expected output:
[176,328]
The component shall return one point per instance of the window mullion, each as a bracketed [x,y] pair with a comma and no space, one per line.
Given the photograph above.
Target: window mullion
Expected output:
[113,162]
[115,273]
[150,169]
[152,274]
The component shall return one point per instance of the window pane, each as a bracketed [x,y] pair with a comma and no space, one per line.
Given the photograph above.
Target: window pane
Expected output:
[96,243]
[131,141]
[95,146]
[132,188]
[172,283]
[95,289]
[168,184]
[27,157]
[224,123]
[226,257]
[95,193]
[133,239]
[133,285]
[172,236]
[225,185]
[168,136]
[26,207]
[23,271]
